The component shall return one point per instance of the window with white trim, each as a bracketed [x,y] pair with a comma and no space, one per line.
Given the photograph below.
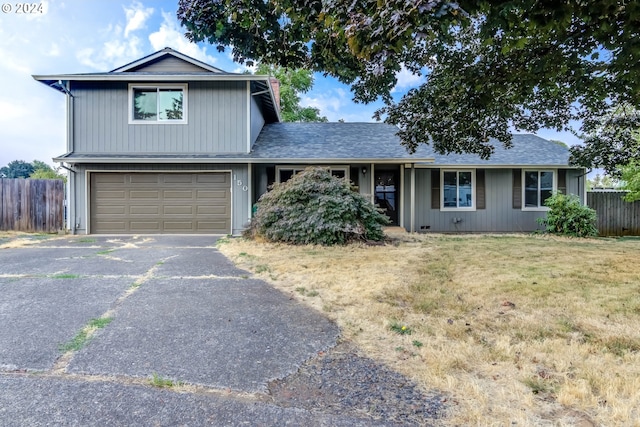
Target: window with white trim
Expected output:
[458,189]
[537,187]
[158,103]
[284,173]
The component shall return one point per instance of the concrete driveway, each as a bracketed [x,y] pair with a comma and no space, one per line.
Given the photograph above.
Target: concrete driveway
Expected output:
[159,330]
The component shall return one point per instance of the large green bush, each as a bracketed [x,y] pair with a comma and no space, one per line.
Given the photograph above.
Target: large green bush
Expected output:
[567,216]
[315,207]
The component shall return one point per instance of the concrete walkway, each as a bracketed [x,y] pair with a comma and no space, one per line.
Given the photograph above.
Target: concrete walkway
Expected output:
[180,336]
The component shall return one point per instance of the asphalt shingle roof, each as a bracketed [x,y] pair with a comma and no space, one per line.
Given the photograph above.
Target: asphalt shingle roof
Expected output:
[350,141]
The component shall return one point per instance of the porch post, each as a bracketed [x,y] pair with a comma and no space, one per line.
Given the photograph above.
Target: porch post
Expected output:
[401,206]
[250,189]
[413,198]
[373,182]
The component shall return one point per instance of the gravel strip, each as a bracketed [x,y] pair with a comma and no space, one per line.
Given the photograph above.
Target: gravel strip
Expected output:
[342,382]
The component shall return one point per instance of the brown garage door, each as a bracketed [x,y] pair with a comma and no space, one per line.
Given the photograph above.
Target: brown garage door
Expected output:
[160,203]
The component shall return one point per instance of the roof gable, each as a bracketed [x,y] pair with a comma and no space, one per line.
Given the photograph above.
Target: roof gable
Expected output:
[167,60]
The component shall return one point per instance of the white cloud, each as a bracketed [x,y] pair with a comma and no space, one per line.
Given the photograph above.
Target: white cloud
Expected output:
[54,50]
[336,104]
[243,69]
[116,51]
[407,80]
[170,35]
[14,64]
[137,16]
[326,103]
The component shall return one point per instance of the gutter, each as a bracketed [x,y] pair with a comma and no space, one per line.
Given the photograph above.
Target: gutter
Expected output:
[233,160]
[49,80]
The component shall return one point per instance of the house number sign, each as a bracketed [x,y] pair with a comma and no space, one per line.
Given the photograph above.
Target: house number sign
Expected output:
[239,183]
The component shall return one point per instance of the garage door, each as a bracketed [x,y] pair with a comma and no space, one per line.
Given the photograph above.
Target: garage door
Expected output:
[160,203]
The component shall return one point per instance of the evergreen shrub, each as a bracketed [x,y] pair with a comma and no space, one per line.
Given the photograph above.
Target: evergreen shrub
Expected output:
[568,217]
[314,207]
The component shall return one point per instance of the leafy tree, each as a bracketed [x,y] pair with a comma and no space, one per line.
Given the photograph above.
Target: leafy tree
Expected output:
[568,217]
[631,181]
[47,174]
[17,169]
[490,66]
[318,208]
[602,181]
[36,169]
[292,83]
[613,141]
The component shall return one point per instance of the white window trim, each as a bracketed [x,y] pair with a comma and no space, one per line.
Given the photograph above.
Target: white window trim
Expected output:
[471,208]
[344,168]
[554,190]
[183,86]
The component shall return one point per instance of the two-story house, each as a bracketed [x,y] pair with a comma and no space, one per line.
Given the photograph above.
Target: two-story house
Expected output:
[169,144]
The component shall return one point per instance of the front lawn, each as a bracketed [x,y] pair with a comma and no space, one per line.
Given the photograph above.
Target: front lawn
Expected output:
[515,329]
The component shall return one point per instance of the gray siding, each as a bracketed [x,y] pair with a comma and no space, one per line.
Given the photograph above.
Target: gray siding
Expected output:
[171,64]
[257,120]
[216,116]
[499,215]
[239,188]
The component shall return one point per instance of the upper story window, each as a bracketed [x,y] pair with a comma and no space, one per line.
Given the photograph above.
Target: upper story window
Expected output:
[158,103]
[458,190]
[538,186]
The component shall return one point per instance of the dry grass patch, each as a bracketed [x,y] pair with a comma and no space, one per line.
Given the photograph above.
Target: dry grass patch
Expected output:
[17,239]
[515,329]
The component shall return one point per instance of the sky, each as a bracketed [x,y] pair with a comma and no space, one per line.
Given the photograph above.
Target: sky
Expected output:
[84,36]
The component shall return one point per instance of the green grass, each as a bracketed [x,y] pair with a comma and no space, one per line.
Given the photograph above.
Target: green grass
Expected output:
[86,240]
[262,268]
[400,328]
[39,236]
[83,337]
[539,385]
[66,276]
[223,240]
[303,291]
[105,252]
[160,382]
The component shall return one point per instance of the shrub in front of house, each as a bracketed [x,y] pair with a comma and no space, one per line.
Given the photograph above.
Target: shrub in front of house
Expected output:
[568,217]
[318,208]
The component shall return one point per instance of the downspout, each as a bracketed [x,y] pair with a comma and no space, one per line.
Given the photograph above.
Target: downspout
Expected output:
[71,188]
[582,179]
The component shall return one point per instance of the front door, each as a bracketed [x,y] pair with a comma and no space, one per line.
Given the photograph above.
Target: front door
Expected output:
[386,194]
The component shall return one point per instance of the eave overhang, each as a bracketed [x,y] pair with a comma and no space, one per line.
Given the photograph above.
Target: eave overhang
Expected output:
[235,159]
[497,166]
[147,77]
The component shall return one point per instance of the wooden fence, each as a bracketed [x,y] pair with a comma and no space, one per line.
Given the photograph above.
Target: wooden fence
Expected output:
[32,205]
[615,216]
